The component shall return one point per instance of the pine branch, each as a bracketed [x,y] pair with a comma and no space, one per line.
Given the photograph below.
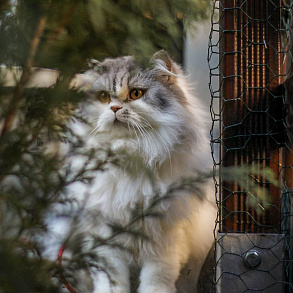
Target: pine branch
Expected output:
[25,76]
[4,4]
[63,23]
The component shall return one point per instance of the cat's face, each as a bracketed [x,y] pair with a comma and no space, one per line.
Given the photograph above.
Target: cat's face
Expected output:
[148,105]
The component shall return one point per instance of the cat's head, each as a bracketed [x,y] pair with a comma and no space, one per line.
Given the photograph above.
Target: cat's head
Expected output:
[147,106]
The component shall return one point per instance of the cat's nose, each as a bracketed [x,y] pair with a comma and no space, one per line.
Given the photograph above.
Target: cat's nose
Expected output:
[115,108]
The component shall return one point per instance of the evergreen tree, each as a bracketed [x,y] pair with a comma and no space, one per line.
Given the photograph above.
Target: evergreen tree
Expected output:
[62,35]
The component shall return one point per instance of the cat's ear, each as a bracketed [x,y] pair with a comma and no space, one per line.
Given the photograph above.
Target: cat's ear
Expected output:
[164,67]
[95,65]
[82,82]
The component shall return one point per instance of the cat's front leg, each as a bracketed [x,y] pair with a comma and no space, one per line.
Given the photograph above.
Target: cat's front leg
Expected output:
[159,275]
[102,284]
[115,278]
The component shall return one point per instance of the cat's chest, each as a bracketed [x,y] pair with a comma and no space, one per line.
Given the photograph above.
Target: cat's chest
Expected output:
[117,194]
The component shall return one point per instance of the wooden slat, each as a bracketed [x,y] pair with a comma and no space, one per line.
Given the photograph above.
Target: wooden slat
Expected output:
[251,72]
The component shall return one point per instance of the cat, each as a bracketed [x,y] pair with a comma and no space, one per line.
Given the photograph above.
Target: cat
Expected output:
[149,116]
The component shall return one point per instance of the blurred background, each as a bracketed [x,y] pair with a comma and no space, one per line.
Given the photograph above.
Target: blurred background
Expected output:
[195,59]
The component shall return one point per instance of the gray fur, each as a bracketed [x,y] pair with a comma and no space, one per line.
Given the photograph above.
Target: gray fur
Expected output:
[124,73]
[161,131]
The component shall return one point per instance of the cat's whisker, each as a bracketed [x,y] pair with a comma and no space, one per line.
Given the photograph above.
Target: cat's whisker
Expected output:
[94,122]
[143,132]
[135,132]
[151,139]
[129,129]
[94,126]
[146,123]
[139,128]
[142,121]
[149,136]
[167,149]
[93,130]
[162,139]
[144,114]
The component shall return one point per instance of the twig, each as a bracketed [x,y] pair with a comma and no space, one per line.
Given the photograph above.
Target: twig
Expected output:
[20,87]
[67,17]
[4,4]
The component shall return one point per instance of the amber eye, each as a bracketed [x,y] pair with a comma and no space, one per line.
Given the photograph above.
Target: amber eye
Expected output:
[103,97]
[136,94]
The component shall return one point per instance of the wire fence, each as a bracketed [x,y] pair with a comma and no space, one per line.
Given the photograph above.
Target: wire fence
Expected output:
[250,63]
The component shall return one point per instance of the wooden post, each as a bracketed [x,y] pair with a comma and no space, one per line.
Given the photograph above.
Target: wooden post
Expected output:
[252,70]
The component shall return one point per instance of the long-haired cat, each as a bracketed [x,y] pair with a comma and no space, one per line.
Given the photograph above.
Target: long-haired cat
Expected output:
[151,117]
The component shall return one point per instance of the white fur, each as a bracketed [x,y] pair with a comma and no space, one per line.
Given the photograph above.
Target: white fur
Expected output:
[152,139]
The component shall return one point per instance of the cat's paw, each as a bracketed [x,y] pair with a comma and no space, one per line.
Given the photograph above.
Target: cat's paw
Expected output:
[113,289]
[156,289]
[102,284]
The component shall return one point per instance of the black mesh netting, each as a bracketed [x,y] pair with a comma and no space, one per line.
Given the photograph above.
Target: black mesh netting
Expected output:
[250,69]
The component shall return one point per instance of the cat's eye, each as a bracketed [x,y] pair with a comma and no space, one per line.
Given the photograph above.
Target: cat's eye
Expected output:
[136,94]
[104,97]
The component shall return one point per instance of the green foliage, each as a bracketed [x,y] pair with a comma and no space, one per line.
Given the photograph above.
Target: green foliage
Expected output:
[77,30]
[62,35]
[253,180]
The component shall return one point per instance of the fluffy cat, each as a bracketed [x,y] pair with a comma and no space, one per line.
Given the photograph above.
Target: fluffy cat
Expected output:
[149,115]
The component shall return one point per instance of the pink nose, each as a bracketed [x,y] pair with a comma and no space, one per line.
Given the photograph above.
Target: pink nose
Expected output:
[115,108]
